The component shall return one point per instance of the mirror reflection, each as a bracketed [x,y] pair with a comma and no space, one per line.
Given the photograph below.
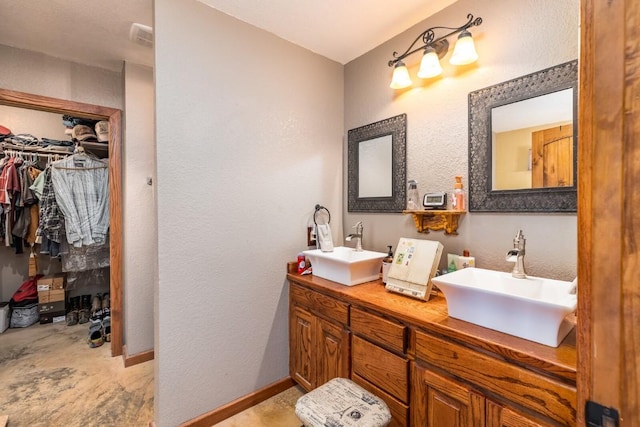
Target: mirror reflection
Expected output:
[532,142]
[375,167]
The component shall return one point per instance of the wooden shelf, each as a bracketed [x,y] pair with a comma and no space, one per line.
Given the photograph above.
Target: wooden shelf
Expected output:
[434,220]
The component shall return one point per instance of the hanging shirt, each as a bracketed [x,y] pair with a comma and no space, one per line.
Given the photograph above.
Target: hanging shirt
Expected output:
[9,182]
[81,187]
[51,220]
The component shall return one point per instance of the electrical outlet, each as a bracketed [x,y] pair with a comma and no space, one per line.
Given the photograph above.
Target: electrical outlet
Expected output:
[311,237]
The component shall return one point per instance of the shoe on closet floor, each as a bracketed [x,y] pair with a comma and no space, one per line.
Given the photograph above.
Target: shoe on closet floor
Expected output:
[85,305]
[96,308]
[106,309]
[95,338]
[106,328]
[72,315]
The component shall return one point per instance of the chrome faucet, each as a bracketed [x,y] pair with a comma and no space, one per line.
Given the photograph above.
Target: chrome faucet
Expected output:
[516,255]
[357,235]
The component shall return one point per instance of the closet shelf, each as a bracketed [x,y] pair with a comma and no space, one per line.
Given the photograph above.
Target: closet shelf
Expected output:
[434,220]
[32,149]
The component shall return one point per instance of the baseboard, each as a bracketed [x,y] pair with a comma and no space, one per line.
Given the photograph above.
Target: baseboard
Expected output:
[134,359]
[240,404]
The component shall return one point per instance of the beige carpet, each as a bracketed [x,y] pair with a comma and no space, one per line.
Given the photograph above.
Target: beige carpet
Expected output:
[50,377]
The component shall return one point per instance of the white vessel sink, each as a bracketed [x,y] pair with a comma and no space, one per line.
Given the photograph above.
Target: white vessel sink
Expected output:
[533,308]
[346,266]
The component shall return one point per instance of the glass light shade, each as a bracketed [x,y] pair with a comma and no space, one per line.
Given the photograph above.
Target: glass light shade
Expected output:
[430,64]
[400,77]
[465,51]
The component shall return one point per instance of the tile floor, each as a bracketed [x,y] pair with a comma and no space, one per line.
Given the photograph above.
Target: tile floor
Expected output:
[50,377]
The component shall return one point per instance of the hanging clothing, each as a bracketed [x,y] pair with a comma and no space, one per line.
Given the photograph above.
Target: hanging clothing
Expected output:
[9,197]
[81,187]
[9,183]
[51,219]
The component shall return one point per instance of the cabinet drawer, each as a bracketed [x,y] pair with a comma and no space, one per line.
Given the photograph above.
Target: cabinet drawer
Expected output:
[381,368]
[319,303]
[399,411]
[546,396]
[382,331]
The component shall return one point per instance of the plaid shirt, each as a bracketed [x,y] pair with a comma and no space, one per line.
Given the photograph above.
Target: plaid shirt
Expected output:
[81,184]
[51,219]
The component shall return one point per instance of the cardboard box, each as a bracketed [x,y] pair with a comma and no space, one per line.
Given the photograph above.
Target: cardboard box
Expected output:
[51,296]
[4,316]
[52,317]
[56,281]
[57,295]
[51,307]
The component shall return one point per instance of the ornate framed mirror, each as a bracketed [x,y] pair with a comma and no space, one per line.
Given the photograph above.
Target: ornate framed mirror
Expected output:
[523,143]
[377,166]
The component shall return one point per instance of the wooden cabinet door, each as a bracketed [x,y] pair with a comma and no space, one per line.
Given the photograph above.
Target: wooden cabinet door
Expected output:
[437,401]
[332,351]
[301,347]
[500,416]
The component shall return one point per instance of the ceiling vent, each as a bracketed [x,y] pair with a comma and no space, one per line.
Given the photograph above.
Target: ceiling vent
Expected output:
[141,34]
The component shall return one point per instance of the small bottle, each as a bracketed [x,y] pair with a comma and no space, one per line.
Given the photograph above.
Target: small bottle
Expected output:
[386,264]
[465,261]
[413,202]
[457,201]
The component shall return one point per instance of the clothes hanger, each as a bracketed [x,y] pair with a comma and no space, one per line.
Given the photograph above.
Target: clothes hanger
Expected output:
[80,153]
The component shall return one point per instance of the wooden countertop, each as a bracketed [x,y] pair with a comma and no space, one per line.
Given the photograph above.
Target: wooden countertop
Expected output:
[431,316]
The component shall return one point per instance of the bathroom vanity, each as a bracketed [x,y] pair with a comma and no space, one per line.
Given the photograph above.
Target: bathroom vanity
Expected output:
[430,369]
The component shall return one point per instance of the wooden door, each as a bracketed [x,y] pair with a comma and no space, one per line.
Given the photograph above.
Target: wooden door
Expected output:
[332,352]
[499,416]
[438,401]
[301,348]
[608,200]
[552,157]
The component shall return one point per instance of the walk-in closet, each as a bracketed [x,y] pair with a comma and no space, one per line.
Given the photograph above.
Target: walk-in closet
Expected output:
[56,213]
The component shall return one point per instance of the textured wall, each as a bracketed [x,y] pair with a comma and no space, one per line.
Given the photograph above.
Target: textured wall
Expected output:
[36,73]
[249,138]
[139,222]
[515,38]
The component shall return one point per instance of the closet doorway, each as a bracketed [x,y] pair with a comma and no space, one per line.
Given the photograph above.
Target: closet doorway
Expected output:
[114,116]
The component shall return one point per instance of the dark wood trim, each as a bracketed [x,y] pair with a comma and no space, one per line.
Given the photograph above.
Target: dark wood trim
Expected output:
[134,359]
[78,109]
[115,228]
[240,404]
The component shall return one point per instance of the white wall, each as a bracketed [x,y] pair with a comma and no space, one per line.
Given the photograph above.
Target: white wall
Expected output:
[139,219]
[249,139]
[515,38]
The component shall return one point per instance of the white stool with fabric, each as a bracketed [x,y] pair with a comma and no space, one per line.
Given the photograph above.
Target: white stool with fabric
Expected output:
[342,403]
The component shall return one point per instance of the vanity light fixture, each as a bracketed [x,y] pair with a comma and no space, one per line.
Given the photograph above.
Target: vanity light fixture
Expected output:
[434,49]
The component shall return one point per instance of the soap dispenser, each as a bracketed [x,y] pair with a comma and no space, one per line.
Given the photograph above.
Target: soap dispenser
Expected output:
[386,264]
[457,201]
[413,197]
